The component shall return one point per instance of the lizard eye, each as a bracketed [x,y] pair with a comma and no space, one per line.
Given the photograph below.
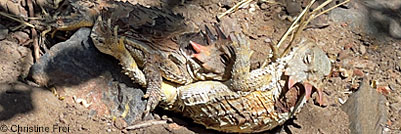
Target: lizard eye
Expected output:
[308,59]
[224,59]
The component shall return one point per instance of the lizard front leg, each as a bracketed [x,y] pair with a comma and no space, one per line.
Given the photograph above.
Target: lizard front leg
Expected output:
[109,43]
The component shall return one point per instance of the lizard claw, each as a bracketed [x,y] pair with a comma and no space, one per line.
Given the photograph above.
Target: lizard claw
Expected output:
[153,101]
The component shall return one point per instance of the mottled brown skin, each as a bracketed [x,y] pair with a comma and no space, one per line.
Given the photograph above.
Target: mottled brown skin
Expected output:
[142,40]
[266,104]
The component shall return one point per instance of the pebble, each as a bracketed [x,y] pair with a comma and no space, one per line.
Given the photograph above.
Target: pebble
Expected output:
[252,9]
[268,40]
[399,66]
[21,36]
[264,6]
[62,119]
[357,72]
[362,49]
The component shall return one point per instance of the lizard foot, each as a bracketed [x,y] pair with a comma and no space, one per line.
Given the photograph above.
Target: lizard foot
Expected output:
[308,90]
[153,100]
[242,47]
[106,40]
[153,93]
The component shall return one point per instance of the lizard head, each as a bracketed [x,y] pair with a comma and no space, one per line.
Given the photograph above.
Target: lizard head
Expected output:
[308,66]
[215,56]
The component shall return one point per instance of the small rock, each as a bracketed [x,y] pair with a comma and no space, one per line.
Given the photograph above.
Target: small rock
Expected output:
[362,49]
[344,72]
[252,8]
[383,90]
[21,37]
[366,110]
[268,40]
[62,119]
[293,7]
[264,6]
[357,72]
[227,3]
[399,66]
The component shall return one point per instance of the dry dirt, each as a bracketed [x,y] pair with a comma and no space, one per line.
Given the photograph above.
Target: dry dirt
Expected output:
[355,55]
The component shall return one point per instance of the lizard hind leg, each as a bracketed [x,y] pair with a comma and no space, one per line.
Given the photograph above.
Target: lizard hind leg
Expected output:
[153,90]
[106,40]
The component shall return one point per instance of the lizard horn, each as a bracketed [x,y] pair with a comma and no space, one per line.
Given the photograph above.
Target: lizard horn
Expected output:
[209,36]
[220,33]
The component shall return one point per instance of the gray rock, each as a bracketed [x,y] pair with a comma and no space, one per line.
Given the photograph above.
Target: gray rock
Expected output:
[79,71]
[15,61]
[372,17]
[366,110]
[356,17]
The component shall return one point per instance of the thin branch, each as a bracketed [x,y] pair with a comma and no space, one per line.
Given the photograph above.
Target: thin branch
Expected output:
[15,19]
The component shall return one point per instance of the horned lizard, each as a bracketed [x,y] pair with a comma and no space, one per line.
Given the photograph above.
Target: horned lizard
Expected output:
[249,101]
[265,98]
[146,41]
[142,39]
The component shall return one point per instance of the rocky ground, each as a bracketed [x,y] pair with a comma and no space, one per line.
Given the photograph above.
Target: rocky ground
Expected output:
[362,94]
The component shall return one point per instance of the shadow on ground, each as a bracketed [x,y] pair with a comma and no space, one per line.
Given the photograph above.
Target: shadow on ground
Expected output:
[15,99]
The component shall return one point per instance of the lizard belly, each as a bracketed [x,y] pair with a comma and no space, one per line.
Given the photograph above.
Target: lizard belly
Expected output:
[215,106]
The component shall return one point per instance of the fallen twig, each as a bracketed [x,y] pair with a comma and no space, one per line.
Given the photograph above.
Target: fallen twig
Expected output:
[235,7]
[15,19]
[146,124]
[302,20]
[36,48]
